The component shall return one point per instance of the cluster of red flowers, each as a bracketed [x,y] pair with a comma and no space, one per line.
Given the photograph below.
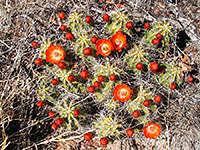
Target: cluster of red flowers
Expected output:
[52,114]
[104,47]
[103,141]
[151,130]
[56,55]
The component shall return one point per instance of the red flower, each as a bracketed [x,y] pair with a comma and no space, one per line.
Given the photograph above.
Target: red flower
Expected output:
[129,132]
[94,39]
[87,51]
[69,36]
[91,89]
[129,25]
[88,136]
[155,41]
[135,113]
[152,130]
[112,77]
[159,36]
[62,65]
[106,17]
[40,103]
[157,98]
[190,79]
[84,74]
[61,15]
[146,102]
[35,44]
[71,78]
[172,85]
[119,41]
[104,141]
[54,126]
[97,84]
[52,114]
[59,121]
[153,66]
[147,25]
[139,66]
[88,19]
[54,81]
[63,27]
[104,47]
[38,61]
[55,54]
[101,78]
[122,93]
[76,112]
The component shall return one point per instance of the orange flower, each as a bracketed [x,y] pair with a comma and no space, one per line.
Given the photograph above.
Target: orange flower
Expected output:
[119,41]
[122,93]
[104,47]
[54,54]
[152,130]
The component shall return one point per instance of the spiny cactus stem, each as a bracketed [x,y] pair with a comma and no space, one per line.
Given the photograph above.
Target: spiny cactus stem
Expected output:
[80,26]
[76,122]
[151,36]
[120,24]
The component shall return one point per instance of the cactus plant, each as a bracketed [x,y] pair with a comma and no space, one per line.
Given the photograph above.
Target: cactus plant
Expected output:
[162,27]
[83,32]
[107,126]
[137,103]
[119,20]
[172,74]
[108,122]
[138,54]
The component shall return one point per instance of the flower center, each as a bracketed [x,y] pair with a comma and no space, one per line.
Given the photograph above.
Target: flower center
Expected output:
[152,128]
[104,48]
[56,54]
[118,42]
[123,93]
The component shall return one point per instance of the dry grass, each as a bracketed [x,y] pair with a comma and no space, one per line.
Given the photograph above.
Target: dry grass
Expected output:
[24,21]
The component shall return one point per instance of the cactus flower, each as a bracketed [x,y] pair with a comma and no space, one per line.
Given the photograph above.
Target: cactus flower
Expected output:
[104,47]
[54,54]
[119,41]
[122,93]
[152,130]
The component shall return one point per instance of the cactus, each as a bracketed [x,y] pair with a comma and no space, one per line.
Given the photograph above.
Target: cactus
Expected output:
[83,32]
[105,70]
[136,55]
[111,104]
[172,74]
[47,91]
[108,123]
[107,126]
[66,110]
[119,20]
[163,27]
[77,86]
[137,104]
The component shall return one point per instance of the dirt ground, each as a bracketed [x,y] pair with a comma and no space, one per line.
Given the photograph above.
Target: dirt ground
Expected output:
[23,21]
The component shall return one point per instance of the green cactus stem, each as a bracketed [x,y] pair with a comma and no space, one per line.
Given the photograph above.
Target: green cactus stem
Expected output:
[107,126]
[163,27]
[118,22]
[172,74]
